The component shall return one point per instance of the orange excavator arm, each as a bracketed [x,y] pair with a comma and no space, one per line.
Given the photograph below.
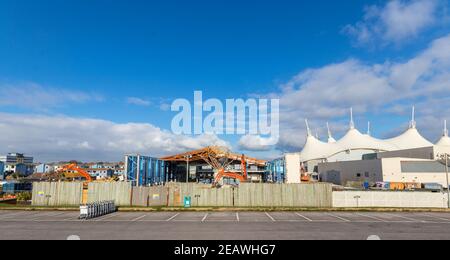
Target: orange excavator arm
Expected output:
[241,177]
[74,167]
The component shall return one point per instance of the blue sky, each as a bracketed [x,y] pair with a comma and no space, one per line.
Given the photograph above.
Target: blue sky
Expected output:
[121,62]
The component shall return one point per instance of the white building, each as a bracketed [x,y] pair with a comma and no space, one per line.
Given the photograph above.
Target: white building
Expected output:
[354,145]
[43,168]
[397,169]
[100,173]
[416,165]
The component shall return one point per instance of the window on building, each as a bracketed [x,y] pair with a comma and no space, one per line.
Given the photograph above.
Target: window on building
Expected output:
[366,174]
[358,175]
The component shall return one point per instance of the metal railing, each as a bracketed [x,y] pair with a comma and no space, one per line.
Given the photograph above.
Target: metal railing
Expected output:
[97,209]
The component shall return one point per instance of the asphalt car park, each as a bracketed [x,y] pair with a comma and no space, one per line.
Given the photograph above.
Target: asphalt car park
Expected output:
[37,225]
[322,217]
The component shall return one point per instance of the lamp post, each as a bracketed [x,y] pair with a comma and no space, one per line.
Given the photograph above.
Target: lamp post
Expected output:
[446,176]
[188,157]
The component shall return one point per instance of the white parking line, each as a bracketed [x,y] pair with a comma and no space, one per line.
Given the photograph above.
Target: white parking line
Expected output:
[367,216]
[399,216]
[300,215]
[51,214]
[11,214]
[72,218]
[174,216]
[431,216]
[271,218]
[237,217]
[204,218]
[139,218]
[338,217]
[107,217]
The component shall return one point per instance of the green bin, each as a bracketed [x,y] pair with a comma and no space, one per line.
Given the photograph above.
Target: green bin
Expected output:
[187,202]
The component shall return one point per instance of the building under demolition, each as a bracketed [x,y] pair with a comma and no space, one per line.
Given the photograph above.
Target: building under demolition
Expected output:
[203,165]
[199,166]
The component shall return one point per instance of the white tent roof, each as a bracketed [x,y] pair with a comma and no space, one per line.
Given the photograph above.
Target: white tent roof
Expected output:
[409,140]
[354,140]
[315,149]
[445,140]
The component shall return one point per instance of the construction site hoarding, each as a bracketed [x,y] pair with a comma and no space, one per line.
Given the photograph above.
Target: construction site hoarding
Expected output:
[202,195]
[156,196]
[57,194]
[253,195]
[315,195]
[119,192]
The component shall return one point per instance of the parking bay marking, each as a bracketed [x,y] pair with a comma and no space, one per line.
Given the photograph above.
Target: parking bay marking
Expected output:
[174,216]
[139,218]
[435,217]
[399,216]
[49,215]
[338,217]
[107,217]
[271,218]
[14,214]
[300,215]
[368,216]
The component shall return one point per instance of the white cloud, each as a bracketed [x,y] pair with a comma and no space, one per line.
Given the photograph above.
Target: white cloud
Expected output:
[255,143]
[397,21]
[326,94]
[65,138]
[34,96]
[138,101]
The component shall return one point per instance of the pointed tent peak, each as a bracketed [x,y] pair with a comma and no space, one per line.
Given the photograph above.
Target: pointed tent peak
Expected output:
[413,123]
[329,130]
[352,122]
[445,129]
[315,149]
[410,139]
[308,130]
[445,140]
[330,136]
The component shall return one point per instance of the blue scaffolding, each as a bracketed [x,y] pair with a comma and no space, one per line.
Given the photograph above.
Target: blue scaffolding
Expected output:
[145,170]
[276,171]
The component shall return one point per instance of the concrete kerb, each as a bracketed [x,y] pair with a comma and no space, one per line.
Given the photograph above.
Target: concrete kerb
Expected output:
[281,209]
[222,209]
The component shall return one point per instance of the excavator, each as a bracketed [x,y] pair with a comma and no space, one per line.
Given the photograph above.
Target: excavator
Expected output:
[232,175]
[304,176]
[73,167]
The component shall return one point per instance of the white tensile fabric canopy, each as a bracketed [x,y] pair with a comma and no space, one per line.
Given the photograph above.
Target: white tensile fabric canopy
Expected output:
[409,140]
[445,140]
[315,149]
